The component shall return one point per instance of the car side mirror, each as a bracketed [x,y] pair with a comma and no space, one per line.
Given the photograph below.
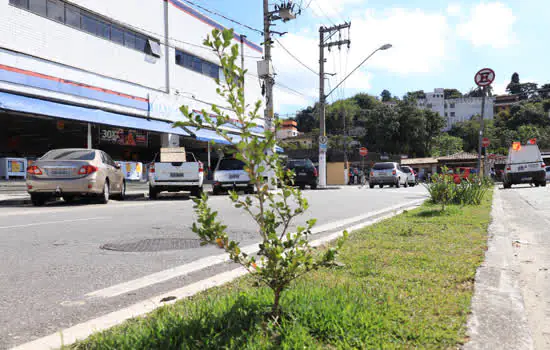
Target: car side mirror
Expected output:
[118,166]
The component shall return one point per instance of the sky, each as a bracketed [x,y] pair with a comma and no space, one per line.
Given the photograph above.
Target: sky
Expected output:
[436,44]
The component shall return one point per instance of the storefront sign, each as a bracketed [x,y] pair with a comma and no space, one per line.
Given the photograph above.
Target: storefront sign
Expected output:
[123,137]
[13,167]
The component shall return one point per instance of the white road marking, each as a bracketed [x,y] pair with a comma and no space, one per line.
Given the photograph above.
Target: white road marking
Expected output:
[85,329]
[55,222]
[186,269]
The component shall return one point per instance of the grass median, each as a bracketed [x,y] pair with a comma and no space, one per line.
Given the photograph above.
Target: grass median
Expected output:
[407,282]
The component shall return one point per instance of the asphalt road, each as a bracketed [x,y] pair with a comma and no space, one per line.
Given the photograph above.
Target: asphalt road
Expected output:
[52,260]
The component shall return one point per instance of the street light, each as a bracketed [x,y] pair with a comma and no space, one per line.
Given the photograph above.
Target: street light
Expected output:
[322,159]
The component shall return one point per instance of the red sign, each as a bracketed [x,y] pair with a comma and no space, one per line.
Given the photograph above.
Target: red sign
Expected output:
[484,77]
[533,141]
[363,151]
[485,142]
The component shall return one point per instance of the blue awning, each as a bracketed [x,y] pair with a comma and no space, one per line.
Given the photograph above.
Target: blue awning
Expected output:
[25,104]
[208,135]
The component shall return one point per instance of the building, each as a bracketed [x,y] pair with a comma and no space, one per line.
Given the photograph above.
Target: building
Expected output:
[110,75]
[457,109]
[289,128]
[303,141]
[504,102]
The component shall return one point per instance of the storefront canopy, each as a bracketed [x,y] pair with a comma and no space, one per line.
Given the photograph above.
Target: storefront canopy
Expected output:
[18,103]
[208,135]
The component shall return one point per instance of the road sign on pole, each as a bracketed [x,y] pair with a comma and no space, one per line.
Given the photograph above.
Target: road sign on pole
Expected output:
[484,77]
[363,151]
[485,142]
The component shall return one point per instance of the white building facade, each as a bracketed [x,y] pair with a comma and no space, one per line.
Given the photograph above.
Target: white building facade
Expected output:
[84,71]
[458,109]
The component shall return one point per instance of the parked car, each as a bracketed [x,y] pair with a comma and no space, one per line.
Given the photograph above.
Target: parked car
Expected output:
[184,174]
[306,173]
[548,174]
[387,174]
[411,175]
[230,175]
[72,173]
[524,165]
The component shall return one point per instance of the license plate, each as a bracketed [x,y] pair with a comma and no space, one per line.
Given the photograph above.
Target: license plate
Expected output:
[302,174]
[534,165]
[520,168]
[177,174]
[234,176]
[526,178]
[60,172]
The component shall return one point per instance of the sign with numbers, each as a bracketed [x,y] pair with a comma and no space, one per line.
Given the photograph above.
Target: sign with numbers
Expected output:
[123,137]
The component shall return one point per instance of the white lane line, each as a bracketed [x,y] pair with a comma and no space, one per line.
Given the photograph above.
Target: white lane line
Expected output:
[85,329]
[186,269]
[55,222]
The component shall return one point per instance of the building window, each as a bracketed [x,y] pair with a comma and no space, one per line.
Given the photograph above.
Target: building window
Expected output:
[452,114]
[446,114]
[429,105]
[197,64]
[56,11]
[452,105]
[445,105]
[84,20]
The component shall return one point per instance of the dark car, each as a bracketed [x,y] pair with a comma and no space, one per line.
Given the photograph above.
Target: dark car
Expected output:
[305,172]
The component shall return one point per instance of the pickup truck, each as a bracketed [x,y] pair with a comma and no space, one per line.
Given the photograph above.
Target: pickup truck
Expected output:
[176,176]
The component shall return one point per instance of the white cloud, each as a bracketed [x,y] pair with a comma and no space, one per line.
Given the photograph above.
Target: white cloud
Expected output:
[454,9]
[489,24]
[421,44]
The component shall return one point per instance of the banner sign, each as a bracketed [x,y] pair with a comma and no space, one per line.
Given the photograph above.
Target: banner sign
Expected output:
[123,137]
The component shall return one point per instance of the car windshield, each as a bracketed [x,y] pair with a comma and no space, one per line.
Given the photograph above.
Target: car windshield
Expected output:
[231,164]
[383,166]
[69,154]
[297,163]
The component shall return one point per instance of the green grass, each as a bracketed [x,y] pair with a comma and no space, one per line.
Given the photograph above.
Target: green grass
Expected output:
[407,283]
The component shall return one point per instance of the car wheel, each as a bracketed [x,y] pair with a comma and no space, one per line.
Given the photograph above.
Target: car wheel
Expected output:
[507,185]
[313,186]
[543,183]
[122,194]
[216,191]
[406,184]
[153,193]
[105,195]
[196,192]
[69,199]
[381,186]
[302,187]
[398,183]
[537,184]
[37,200]
[371,185]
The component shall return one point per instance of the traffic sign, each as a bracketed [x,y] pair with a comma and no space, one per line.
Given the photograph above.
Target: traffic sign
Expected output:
[485,142]
[323,140]
[363,151]
[484,77]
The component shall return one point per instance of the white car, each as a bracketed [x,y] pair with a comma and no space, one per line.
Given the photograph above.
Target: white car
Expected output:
[525,165]
[387,174]
[411,176]
[230,175]
[548,174]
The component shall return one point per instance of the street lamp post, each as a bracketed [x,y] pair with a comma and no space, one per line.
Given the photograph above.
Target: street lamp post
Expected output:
[322,99]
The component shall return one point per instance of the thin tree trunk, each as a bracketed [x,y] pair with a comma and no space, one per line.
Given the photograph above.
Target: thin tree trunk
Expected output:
[276,308]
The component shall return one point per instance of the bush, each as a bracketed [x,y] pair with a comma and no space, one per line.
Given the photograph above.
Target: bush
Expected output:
[443,189]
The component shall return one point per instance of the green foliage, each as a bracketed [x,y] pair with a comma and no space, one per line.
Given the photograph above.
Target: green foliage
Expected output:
[452,93]
[444,189]
[414,293]
[386,96]
[283,255]
[446,144]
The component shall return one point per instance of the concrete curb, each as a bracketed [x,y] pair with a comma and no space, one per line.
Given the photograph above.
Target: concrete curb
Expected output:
[27,200]
[498,319]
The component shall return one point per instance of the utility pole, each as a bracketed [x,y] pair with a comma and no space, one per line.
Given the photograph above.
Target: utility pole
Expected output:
[242,55]
[322,97]
[268,80]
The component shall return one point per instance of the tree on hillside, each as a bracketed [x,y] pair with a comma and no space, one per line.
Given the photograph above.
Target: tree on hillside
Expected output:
[478,92]
[415,95]
[365,101]
[338,111]
[446,144]
[452,93]
[386,96]
[307,119]
[514,87]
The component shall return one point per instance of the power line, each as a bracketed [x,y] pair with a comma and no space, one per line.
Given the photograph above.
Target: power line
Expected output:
[215,13]
[296,58]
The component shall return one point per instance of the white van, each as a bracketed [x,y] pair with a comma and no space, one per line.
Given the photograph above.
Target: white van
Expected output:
[524,165]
